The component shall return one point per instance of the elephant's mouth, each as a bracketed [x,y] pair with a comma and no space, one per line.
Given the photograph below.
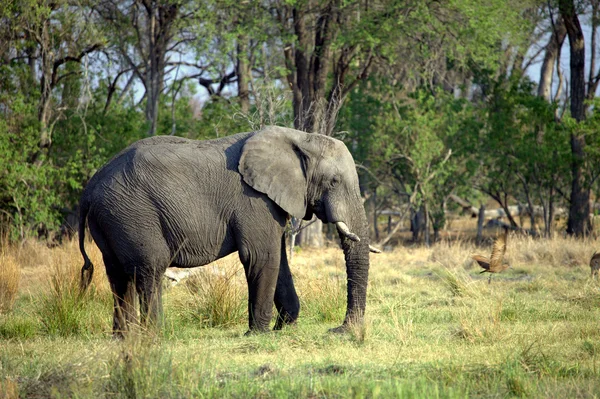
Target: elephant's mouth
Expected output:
[318,209]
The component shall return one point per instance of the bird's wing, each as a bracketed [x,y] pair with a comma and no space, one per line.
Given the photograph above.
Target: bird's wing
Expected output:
[498,250]
[482,260]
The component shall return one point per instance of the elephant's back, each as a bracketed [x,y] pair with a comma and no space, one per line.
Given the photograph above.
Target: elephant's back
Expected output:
[161,157]
[179,192]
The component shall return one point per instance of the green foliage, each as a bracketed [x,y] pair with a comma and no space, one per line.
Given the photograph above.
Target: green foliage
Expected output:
[419,145]
[26,193]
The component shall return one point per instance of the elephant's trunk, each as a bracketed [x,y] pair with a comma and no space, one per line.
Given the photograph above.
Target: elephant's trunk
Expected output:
[356,253]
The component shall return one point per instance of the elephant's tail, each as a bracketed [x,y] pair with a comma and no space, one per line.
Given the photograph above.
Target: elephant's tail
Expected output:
[87,271]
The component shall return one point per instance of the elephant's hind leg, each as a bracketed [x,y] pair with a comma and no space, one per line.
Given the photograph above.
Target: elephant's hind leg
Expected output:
[125,314]
[286,299]
[149,289]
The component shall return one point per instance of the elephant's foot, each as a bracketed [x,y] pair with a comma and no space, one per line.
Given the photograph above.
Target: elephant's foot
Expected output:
[118,335]
[343,329]
[280,325]
[285,320]
[347,328]
[256,332]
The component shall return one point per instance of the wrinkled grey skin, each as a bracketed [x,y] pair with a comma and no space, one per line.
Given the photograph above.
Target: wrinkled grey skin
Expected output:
[168,201]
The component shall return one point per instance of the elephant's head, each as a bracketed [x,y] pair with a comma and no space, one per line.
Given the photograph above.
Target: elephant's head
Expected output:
[308,174]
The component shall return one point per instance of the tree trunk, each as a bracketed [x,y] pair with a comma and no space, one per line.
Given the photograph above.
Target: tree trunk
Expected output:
[480,220]
[152,86]
[45,91]
[553,47]
[243,74]
[416,223]
[374,210]
[426,224]
[550,212]
[160,25]
[311,236]
[579,219]
[308,72]
[579,209]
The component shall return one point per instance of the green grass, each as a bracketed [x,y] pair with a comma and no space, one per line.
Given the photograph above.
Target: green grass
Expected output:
[432,330]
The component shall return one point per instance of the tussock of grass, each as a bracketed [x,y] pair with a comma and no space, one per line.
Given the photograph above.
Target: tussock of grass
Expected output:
[216,296]
[459,283]
[65,310]
[18,327]
[323,299]
[482,324]
[452,254]
[9,281]
[142,370]
[556,251]
[9,389]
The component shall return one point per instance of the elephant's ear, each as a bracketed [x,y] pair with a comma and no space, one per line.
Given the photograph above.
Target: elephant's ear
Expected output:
[272,163]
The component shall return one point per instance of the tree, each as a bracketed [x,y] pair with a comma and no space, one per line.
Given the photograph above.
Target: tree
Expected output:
[47,39]
[144,34]
[579,209]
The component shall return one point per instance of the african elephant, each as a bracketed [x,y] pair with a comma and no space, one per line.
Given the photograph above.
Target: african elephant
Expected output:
[169,201]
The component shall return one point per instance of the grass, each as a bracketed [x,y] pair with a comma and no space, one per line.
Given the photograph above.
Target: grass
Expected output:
[434,328]
[9,281]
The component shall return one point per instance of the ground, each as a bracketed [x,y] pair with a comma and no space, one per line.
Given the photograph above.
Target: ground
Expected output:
[434,328]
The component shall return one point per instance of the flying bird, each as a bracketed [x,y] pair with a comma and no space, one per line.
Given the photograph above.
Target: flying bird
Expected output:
[495,263]
[595,264]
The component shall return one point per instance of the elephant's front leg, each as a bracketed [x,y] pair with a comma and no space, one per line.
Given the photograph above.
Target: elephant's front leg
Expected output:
[262,269]
[286,299]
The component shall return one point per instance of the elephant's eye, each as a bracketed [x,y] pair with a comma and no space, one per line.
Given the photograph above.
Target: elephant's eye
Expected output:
[335,181]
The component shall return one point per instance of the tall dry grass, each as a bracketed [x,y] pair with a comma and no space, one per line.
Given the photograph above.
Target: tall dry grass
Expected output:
[557,251]
[215,295]
[49,283]
[9,281]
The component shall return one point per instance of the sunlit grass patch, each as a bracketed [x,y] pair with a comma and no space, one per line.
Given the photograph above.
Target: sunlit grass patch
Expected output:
[214,296]
[65,310]
[18,327]
[9,281]
[143,369]
[459,283]
[322,299]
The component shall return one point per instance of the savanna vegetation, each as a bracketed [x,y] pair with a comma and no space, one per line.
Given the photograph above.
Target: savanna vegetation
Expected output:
[451,109]
[434,328]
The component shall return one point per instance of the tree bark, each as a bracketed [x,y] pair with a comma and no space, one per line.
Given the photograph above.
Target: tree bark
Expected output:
[559,32]
[311,236]
[579,219]
[480,221]
[309,62]
[160,18]
[243,74]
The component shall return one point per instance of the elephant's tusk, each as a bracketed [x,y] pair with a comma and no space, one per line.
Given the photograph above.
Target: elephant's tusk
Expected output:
[343,228]
[374,250]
